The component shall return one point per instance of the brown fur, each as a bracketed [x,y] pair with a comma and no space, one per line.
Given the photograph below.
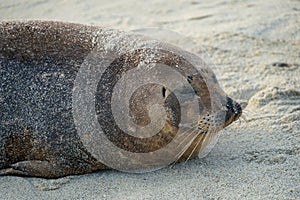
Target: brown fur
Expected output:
[55,149]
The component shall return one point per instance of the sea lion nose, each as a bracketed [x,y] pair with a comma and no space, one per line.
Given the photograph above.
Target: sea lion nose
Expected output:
[237,110]
[234,110]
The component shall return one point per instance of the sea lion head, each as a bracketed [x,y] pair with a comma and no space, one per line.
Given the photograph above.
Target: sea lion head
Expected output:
[199,108]
[155,103]
[194,102]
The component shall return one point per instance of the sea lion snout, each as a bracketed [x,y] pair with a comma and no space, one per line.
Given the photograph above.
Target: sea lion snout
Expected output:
[234,111]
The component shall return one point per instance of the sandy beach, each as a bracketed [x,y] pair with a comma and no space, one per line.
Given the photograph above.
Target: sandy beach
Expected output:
[254,49]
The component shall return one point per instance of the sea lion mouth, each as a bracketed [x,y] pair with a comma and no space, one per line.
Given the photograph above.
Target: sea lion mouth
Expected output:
[234,111]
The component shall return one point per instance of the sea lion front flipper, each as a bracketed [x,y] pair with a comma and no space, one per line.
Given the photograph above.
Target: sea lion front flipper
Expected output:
[34,168]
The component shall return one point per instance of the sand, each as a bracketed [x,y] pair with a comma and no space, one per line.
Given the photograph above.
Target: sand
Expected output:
[254,49]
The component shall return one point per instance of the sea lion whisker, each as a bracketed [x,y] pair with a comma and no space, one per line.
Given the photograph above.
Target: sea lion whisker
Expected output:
[248,111]
[208,138]
[186,134]
[198,142]
[243,117]
[185,147]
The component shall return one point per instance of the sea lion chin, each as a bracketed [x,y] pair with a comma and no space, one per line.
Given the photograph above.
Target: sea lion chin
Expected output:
[75,99]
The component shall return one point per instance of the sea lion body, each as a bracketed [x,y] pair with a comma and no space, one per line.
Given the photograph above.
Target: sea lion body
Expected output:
[39,62]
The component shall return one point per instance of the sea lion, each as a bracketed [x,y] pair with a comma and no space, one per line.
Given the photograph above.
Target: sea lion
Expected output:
[48,117]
